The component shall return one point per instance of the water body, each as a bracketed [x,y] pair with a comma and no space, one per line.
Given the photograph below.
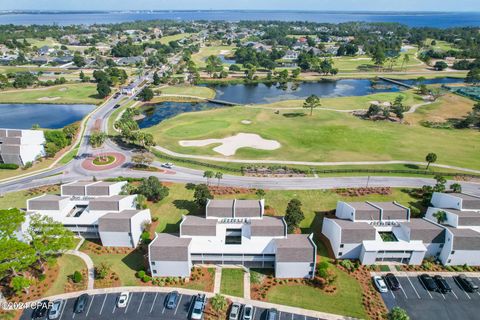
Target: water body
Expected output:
[50,116]
[263,93]
[412,19]
[154,114]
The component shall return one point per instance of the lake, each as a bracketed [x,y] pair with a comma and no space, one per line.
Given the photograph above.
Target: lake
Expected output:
[154,114]
[264,93]
[50,116]
[412,19]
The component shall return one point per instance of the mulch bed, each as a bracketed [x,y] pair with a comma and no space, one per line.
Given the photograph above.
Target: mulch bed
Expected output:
[110,281]
[96,248]
[71,286]
[219,190]
[358,192]
[199,276]
[42,190]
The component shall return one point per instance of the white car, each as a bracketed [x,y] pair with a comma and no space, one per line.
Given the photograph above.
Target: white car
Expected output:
[123,299]
[380,284]
[55,310]
[247,312]
[168,165]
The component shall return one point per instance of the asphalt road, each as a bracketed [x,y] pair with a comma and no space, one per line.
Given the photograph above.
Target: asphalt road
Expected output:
[421,304]
[143,306]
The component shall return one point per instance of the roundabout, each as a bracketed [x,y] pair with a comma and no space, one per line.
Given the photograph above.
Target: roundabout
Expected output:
[104,161]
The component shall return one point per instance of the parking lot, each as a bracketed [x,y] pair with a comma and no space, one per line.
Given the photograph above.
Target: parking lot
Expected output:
[142,306]
[422,304]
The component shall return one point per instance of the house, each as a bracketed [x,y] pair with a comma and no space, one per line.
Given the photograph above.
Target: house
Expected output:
[40,60]
[129,61]
[233,232]
[95,210]
[45,50]
[381,231]
[21,146]
[290,55]
[129,90]
[460,216]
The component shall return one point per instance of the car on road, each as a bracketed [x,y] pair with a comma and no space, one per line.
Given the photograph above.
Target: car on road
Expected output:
[123,299]
[172,300]
[167,165]
[55,310]
[380,284]
[466,283]
[116,106]
[234,312]
[247,312]
[81,303]
[41,310]
[392,281]
[272,314]
[442,284]
[198,307]
[116,95]
[428,282]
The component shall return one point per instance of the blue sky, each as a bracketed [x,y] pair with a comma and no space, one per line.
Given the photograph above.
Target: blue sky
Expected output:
[341,5]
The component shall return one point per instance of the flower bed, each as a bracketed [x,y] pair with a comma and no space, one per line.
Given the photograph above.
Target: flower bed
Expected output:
[201,279]
[358,192]
[218,190]
[104,160]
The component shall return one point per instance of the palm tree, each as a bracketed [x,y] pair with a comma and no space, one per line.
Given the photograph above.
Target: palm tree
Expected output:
[430,158]
[405,61]
[260,193]
[219,176]
[312,102]
[441,216]
[208,174]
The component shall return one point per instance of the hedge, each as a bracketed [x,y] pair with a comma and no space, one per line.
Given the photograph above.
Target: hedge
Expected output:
[9,166]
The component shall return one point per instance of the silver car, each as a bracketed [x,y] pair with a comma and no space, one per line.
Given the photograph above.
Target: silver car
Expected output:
[234,312]
[55,310]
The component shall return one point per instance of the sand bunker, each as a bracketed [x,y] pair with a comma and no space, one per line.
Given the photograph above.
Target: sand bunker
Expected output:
[246,122]
[225,52]
[48,98]
[63,89]
[230,145]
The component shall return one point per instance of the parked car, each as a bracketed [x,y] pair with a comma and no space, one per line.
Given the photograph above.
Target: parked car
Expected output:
[247,312]
[123,299]
[272,314]
[172,300]
[442,284]
[167,165]
[41,309]
[198,307]
[466,283]
[392,281]
[81,303]
[380,284]
[55,310]
[234,312]
[428,282]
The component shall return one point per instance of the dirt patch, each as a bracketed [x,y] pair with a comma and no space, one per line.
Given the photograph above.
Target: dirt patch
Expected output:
[48,98]
[229,146]
[218,190]
[358,192]
[63,89]
[246,122]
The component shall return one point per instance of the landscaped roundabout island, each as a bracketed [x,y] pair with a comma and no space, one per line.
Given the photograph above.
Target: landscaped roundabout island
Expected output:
[103,161]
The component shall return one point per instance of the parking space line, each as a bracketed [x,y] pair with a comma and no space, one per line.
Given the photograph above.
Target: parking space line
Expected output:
[408,278]
[91,302]
[178,304]
[73,315]
[461,288]
[163,310]
[393,295]
[101,309]
[128,303]
[455,294]
[401,288]
[153,304]
[428,291]
[140,304]
[254,310]
[63,309]
[114,307]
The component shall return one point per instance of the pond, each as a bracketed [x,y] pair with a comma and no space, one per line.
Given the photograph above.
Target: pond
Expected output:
[154,114]
[266,93]
[50,116]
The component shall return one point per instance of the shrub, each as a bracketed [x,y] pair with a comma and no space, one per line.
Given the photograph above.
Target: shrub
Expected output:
[77,277]
[155,219]
[140,274]
[9,166]
[145,237]
[42,277]
[347,264]
[146,278]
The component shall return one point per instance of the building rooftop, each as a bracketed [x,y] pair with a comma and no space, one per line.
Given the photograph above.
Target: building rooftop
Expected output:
[422,229]
[469,202]
[295,248]
[365,211]
[392,210]
[465,239]
[116,221]
[169,247]
[197,221]
[355,232]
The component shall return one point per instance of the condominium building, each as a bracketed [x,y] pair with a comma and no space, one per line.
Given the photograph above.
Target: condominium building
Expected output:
[21,146]
[233,232]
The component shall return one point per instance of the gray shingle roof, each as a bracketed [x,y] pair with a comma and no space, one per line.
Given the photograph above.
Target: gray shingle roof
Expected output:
[198,226]
[468,201]
[220,208]
[428,232]
[46,202]
[365,211]
[268,227]
[116,221]
[465,239]
[295,248]
[248,208]
[355,232]
[169,247]
[392,211]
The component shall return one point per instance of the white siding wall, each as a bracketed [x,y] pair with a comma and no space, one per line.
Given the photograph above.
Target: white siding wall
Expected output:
[128,203]
[443,200]
[432,249]
[137,223]
[333,232]
[447,248]
[367,257]
[116,188]
[416,258]
[461,257]
[345,211]
[170,268]
[293,270]
[452,219]
[116,239]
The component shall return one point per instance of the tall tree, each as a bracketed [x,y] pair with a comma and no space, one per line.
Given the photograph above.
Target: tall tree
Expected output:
[441,216]
[208,175]
[10,221]
[15,256]
[153,189]
[201,195]
[430,158]
[294,214]
[311,103]
[218,176]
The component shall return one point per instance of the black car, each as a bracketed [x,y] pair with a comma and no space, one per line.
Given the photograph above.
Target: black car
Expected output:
[116,106]
[81,303]
[41,309]
[428,282]
[172,300]
[392,281]
[466,283]
[442,284]
[272,314]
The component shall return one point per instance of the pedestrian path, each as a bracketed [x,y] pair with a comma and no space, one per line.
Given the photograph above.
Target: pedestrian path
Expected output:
[218,279]
[246,285]
[90,266]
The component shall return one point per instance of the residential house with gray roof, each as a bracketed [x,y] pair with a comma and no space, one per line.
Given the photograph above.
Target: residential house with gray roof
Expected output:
[233,232]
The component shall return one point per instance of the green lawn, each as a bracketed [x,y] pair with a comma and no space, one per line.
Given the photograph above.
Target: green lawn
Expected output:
[232,282]
[18,199]
[199,57]
[325,136]
[67,264]
[440,45]
[202,92]
[347,300]
[175,37]
[82,93]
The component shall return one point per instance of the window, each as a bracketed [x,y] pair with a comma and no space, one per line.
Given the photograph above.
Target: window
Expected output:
[340,253]
[154,271]
[310,273]
[233,236]
[453,252]
[153,263]
[449,260]
[341,245]
[312,264]
[441,245]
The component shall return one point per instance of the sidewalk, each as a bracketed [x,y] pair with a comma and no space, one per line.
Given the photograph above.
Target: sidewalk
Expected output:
[90,267]
[255,303]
